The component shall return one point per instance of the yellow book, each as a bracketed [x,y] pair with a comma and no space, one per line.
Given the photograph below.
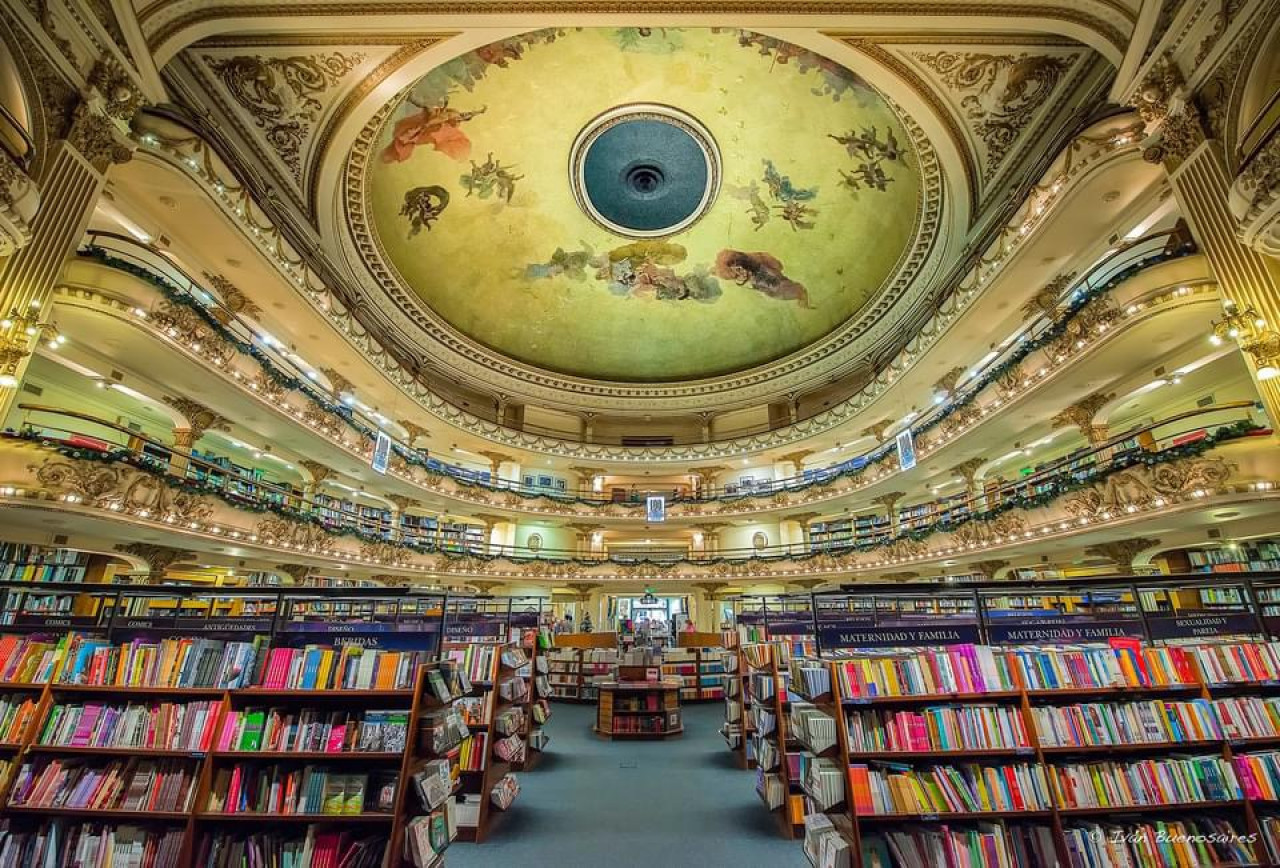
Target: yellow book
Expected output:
[323,671]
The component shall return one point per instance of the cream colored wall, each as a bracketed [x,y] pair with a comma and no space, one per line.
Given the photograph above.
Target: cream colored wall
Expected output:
[560,538]
[739,537]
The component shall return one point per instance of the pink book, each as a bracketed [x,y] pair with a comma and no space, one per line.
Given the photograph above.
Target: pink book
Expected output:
[277,668]
[226,735]
[337,735]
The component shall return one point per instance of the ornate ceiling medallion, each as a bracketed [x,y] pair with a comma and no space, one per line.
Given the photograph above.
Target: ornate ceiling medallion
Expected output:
[644,170]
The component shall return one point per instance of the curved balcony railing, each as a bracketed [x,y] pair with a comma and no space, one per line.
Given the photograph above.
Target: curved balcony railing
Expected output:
[80,435]
[125,253]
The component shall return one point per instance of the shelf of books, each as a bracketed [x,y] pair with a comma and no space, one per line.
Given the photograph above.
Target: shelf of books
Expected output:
[577,664]
[1131,730]
[698,664]
[535,640]
[636,707]
[492,707]
[736,728]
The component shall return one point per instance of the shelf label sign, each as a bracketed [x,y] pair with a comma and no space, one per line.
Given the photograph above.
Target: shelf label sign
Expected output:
[858,636]
[1062,631]
[655,508]
[381,453]
[906,449]
[1203,624]
[468,629]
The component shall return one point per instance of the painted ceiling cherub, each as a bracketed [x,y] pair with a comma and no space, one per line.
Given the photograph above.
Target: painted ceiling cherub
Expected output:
[436,125]
[490,177]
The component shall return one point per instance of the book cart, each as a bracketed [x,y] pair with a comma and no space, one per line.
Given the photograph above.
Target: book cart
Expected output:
[210,677]
[1042,724]
[637,706]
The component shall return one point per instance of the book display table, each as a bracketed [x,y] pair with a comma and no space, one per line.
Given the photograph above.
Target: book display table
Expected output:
[639,709]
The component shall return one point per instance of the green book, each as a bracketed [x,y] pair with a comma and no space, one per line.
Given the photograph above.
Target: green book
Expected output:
[251,738]
[353,793]
[334,794]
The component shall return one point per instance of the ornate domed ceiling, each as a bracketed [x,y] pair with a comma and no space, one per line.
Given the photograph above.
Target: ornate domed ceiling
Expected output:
[642,205]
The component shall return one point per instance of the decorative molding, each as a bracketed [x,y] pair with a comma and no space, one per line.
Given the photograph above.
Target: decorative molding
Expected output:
[97,139]
[989,568]
[340,384]
[1148,487]
[200,418]
[297,572]
[157,557]
[1082,413]
[1000,94]
[1045,303]
[1121,552]
[232,298]
[282,94]
[320,473]
[414,431]
[121,96]
[946,384]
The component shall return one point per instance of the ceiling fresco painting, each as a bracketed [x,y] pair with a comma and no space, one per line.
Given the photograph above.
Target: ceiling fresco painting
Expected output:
[806,196]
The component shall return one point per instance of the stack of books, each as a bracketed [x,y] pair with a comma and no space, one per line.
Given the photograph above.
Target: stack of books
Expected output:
[823,780]
[31,659]
[1099,724]
[312,730]
[317,846]
[504,792]
[958,669]
[426,837]
[814,728]
[16,713]
[825,845]
[477,661]
[156,726]
[810,678]
[510,749]
[1239,663]
[983,845]
[472,752]
[892,788]
[1163,781]
[771,788]
[1164,843]
[949,727]
[120,785]
[177,662]
[289,790]
[96,845]
[351,667]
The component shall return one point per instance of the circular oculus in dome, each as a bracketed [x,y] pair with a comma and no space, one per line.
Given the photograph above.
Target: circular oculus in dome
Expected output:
[644,170]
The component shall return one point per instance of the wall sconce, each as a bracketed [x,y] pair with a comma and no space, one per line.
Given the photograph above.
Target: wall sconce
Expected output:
[1250,331]
[18,333]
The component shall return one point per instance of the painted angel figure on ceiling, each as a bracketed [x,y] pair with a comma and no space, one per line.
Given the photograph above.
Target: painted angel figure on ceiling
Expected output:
[436,125]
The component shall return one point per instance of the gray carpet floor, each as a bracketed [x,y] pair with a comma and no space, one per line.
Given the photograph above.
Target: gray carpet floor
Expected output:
[634,804]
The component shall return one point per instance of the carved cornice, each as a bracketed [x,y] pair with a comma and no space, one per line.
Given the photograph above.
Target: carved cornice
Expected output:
[1045,302]
[876,430]
[200,418]
[158,558]
[968,469]
[340,384]
[889,499]
[1121,552]
[96,138]
[121,96]
[233,299]
[297,572]
[414,431]
[797,457]
[319,473]
[946,384]
[1082,413]
[989,568]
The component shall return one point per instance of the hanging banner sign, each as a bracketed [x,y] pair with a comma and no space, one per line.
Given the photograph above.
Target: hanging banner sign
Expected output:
[906,449]
[1202,625]
[832,636]
[1062,631]
[381,453]
[655,508]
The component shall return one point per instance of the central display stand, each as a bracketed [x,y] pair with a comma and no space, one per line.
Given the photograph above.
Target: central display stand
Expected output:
[637,707]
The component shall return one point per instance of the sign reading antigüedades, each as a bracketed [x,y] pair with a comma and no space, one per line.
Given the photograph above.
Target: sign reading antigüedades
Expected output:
[858,635]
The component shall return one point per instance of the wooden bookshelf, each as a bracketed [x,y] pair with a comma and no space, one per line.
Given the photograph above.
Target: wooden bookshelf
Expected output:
[198,819]
[706,661]
[1058,816]
[615,714]
[765,670]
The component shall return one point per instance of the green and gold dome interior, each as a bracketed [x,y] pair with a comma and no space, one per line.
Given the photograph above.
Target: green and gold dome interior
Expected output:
[641,204]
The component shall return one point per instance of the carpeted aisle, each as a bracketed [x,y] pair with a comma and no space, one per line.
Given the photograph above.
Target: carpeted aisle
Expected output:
[593,803]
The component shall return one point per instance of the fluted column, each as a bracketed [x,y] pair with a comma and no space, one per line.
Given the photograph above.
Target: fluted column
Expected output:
[72,181]
[1197,172]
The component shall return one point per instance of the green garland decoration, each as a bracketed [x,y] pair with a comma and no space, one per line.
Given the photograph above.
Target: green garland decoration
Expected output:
[156,467]
[845,470]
